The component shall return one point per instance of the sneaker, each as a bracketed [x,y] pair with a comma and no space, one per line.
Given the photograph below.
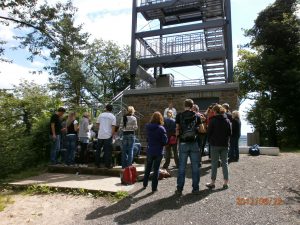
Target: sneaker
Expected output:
[230,160]
[225,186]
[196,192]
[178,192]
[210,185]
[153,191]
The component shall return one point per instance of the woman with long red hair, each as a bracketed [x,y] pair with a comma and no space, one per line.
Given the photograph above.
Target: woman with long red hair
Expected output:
[157,139]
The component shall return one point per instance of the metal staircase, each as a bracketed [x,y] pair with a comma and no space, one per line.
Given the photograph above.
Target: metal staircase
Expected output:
[119,108]
[214,71]
[192,32]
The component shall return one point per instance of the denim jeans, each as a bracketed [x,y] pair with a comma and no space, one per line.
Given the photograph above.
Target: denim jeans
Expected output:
[71,148]
[106,144]
[55,148]
[127,150]
[152,161]
[168,154]
[188,149]
[137,149]
[234,148]
[216,153]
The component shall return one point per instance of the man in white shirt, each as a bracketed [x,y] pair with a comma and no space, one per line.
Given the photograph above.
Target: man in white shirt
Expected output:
[170,108]
[107,123]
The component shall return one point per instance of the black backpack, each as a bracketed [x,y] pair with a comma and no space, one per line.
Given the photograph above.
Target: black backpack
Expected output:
[188,130]
[254,150]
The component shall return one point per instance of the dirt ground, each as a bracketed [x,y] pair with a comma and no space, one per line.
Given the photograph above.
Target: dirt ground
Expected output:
[263,190]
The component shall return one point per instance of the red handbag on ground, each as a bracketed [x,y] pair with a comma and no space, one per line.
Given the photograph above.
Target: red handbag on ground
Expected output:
[129,175]
[172,140]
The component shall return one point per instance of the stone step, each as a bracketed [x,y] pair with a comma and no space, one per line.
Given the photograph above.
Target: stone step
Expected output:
[141,159]
[91,170]
[92,183]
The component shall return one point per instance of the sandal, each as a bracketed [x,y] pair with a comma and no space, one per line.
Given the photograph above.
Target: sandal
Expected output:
[210,185]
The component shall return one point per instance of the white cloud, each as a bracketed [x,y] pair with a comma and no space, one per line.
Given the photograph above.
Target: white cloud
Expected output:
[109,20]
[116,28]
[6,33]
[12,74]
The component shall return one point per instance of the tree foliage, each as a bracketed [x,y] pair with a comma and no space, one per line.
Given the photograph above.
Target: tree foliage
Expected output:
[272,71]
[35,24]
[80,73]
[106,69]
[67,75]
[24,126]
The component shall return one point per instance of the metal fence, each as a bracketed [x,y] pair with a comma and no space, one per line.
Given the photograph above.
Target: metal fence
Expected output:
[171,45]
[150,2]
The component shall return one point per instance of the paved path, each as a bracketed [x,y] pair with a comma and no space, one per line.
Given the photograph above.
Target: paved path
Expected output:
[263,190]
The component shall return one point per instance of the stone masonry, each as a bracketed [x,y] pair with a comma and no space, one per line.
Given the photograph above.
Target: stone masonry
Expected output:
[147,101]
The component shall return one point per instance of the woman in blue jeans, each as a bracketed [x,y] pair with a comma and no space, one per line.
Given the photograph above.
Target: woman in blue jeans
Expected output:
[157,139]
[128,126]
[218,134]
[72,128]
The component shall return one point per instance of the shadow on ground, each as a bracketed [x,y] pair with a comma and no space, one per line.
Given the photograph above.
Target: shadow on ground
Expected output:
[122,205]
[188,172]
[147,210]
[150,209]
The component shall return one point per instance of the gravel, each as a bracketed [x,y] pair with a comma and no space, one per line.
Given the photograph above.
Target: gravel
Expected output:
[262,190]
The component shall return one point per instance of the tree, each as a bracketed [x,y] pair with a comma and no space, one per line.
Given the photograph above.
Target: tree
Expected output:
[24,126]
[272,70]
[34,23]
[67,75]
[107,69]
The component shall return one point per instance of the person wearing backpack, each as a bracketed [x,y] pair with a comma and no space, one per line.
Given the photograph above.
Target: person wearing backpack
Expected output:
[170,126]
[218,134]
[128,126]
[188,125]
[84,136]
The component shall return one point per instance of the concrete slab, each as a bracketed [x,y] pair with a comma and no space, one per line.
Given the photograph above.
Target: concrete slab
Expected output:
[114,172]
[263,150]
[87,182]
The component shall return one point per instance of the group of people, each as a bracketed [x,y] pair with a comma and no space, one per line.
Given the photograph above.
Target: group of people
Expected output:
[184,134]
[106,125]
[72,131]
[188,134]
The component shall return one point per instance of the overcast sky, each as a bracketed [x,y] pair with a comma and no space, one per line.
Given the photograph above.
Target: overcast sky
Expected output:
[111,20]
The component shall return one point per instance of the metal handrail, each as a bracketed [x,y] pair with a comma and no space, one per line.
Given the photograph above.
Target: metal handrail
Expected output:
[150,2]
[173,44]
[192,82]
[119,95]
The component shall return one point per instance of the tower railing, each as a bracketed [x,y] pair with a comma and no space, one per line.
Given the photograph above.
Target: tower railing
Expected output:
[179,44]
[150,2]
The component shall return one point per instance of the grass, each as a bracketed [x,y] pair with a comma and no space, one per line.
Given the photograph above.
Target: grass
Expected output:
[5,197]
[43,189]
[290,149]
[4,201]
[42,168]
[6,190]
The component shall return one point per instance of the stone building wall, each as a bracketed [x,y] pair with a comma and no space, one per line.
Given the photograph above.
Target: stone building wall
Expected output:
[157,99]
